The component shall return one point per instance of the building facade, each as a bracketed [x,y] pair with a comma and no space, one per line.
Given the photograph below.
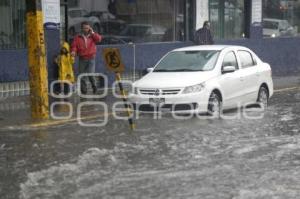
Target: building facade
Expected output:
[146,29]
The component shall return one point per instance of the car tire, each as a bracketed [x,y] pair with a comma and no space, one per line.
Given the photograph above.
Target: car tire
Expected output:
[263,97]
[214,105]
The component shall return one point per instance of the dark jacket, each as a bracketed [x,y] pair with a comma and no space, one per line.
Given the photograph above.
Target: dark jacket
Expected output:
[203,36]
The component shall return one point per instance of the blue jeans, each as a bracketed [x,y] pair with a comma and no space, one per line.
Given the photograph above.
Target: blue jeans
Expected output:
[87,66]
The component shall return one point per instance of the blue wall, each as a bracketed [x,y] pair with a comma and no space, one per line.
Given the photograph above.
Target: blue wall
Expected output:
[52,45]
[283,54]
[13,65]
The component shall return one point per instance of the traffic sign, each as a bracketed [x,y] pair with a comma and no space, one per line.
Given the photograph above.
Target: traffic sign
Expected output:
[113,61]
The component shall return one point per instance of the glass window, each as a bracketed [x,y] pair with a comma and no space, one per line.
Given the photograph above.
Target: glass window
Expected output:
[12,25]
[281,18]
[135,20]
[72,3]
[227,18]
[246,59]
[203,60]
[230,60]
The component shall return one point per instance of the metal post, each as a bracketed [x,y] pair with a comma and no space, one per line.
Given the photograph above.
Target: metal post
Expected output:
[66,21]
[134,62]
[127,107]
[38,75]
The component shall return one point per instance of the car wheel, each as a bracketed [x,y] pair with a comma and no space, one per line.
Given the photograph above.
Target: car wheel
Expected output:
[214,105]
[263,97]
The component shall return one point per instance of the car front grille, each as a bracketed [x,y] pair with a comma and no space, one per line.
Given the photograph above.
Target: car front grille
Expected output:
[157,92]
[170,107]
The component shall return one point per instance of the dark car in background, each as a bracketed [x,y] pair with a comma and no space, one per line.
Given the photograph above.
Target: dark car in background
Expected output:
[108,22]
[143,32]
[111,40]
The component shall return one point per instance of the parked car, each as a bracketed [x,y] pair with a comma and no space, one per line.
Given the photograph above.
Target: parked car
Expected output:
[143,32]
[110,39]
[204,79]
[278,28]
[108,22]
[76,16]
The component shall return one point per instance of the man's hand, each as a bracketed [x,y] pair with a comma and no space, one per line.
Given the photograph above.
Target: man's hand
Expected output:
[91,30]
[73,54]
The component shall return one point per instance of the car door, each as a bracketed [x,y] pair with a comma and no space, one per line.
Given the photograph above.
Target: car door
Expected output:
[250,75]
[231,83]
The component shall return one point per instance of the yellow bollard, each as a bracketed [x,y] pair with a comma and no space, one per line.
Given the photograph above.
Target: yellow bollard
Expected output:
[38,75]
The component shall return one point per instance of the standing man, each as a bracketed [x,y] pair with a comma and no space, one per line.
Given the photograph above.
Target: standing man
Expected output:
[84,45]
[204,36]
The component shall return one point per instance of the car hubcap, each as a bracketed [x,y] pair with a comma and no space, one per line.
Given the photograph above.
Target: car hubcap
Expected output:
[215,106]
[263,99]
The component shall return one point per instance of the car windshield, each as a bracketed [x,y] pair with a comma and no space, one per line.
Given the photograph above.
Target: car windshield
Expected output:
[270,25]
[202,60]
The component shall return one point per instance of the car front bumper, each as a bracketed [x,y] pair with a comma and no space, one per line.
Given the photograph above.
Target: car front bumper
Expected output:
[192,102]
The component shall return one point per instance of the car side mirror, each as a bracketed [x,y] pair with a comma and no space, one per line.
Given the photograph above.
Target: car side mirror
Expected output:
[149,70]
[146,71]
[228,69]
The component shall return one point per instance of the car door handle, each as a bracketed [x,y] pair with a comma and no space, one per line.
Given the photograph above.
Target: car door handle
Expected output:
[242,78]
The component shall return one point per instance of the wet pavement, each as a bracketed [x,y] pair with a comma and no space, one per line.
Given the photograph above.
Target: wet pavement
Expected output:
[247,154]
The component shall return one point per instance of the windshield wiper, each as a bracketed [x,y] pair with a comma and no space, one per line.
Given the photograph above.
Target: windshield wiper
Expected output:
[177,70]
[162,70]
[182,70]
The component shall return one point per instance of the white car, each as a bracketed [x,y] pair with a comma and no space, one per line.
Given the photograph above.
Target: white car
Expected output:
[278,28]
[204,79]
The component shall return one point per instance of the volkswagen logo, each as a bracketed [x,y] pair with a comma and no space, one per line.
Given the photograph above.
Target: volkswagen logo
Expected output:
[157,92]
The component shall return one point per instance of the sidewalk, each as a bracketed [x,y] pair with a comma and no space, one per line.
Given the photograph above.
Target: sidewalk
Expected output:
[15,111]
[285,82]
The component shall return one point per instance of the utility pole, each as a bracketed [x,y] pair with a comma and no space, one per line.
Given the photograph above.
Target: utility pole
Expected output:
[38,75]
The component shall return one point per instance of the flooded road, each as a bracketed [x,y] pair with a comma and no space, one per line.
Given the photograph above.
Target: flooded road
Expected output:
[237,158]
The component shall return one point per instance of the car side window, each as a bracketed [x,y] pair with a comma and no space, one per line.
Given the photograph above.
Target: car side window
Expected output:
[230,60]
[246,59]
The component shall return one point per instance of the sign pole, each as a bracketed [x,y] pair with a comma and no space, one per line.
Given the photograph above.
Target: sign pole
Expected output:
[124,98]
[112,58]
[38,75]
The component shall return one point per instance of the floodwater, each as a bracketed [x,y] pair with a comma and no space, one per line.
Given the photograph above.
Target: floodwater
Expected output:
[237,158]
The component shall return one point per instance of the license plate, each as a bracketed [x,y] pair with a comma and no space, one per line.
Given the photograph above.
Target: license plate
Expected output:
[157,101]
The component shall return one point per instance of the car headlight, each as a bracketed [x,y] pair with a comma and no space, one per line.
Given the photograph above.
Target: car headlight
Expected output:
[194,89]
[134,90]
